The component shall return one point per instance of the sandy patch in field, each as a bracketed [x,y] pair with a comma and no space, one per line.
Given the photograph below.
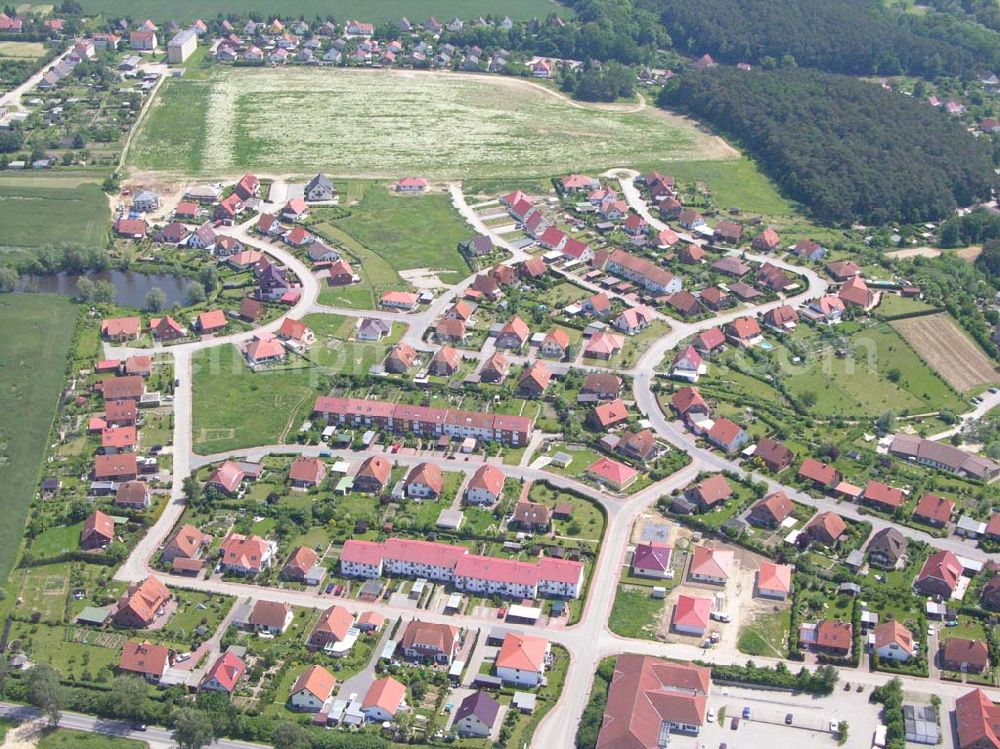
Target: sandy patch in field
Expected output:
[914,252]
[947,350]
[969,254]
[424,279]
[24,736]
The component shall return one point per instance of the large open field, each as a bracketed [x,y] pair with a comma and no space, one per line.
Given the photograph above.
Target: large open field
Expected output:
[234,407]
[948,351]
[25,50]
[366,123]
[880,373]
[34,214]
[366,10]
[37,334]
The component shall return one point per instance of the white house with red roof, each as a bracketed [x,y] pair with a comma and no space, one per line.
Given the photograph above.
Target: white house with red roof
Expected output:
[469,572]
[384,700]
[411,184]
[713,565]
[246,555]
[522,659]
[485,486]
[691,615]
[224,674]
[688,365]
[774,581]
[727,435]
[611,473]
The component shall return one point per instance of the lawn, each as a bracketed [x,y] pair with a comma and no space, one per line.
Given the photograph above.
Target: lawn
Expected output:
[735,182]
[335,352]
[894,305]
[234,407]
[635,613]
[393,123]
[27,209]
[180,110]
[766,635]
[25,50]
[410,231]
[582,458]
[862,383]
[57,540]
[375,12]
[33,350]
[67,738]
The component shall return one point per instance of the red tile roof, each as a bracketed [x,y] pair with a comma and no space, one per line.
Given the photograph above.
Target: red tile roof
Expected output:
[644,693]
[934,508]
[227,671]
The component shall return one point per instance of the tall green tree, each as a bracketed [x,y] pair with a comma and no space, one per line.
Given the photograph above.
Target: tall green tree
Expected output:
[45,692]
[193,729]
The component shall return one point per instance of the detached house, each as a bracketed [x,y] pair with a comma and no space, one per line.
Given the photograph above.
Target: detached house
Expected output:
[373,475]
[939,575]
[485,486]
[312,689]
[246,555]
[424,640]
[773,454]
[727,435]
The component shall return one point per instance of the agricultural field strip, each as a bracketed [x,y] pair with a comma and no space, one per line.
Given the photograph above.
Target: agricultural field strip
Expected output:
[947,350]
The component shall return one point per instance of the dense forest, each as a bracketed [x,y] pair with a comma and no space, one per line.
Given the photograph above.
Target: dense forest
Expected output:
[986,12]
[603,30]
[848,149]
[856,37]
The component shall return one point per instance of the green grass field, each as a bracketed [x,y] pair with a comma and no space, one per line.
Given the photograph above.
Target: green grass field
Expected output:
[66,738]
[375,12]
[635,613]
[36,214]
[410,231]
[392,123]
[862,384]
[38,332]
[234,407]
[22,50]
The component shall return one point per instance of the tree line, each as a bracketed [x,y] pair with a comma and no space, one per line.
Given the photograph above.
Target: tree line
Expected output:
[857,37]
[848,149]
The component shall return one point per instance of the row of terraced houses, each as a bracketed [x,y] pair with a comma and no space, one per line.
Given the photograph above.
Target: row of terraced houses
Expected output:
[425,420]
[467,572]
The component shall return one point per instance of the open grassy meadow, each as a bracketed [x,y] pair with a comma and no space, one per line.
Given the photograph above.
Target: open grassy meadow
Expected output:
[375,12]
[22,50]
[38,332]
[366,123]
[234,407]
[880,373]
[36,214]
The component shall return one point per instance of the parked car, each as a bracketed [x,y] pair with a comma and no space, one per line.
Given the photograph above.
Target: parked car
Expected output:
[788,719]
[329,588]
[734,724]
[711,716]
[746,713]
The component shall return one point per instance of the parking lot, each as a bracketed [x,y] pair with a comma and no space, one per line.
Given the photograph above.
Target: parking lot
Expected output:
[766,726]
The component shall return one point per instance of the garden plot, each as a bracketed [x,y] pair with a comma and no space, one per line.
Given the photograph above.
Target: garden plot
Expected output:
[391,123]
